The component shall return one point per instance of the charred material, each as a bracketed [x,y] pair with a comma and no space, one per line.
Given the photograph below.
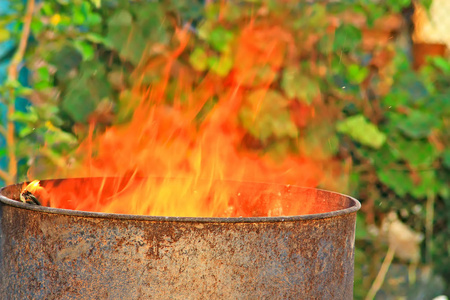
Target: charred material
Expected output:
[28,197]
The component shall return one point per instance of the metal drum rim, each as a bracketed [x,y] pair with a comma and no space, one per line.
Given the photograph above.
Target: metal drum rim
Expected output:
[355,205]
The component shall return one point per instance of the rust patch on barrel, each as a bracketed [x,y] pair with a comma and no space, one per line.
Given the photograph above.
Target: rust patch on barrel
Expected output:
[54,254]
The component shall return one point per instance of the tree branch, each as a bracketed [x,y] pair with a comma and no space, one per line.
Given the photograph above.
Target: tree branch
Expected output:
[4,176]
[13,75]
[376,285]
[20,52]
[3,131]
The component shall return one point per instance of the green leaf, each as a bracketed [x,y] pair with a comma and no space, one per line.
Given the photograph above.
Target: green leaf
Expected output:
[24,91]
[346,38]
[362,131]
[25,131]
[444,192]
[299,86]
[4,34]
[446,158]
[442,63]
[397,180]
[212,10]
[315,18]
[96,38]
[199,59]
[356,74]
[47,8]
[220,39]
[265,114]
[221,66]
[187,9]
[426,3]
[318,16]
[57,136]
[416,152]
[36,26]
[417,124]
[121,18]
[401,182]
[7,19]
[25,117]
[78,17]
[97,3]
[41,85]
[94,19]
[126,36]
[67,61]
[426,185]
[321,137]
[325,44]
[86,91]
[44,74]
[381,158]
[396,98]
[204,30]
[152,22]
[12,83]
[86,49]
[398,5]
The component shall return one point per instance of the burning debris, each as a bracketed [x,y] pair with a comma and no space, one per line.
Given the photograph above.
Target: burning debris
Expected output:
[27,194]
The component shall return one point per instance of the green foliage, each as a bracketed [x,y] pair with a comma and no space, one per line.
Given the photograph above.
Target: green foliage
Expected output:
[86,91]
[347,37]
[418,153]
[265,115]
[299,86]
[446,158]
[398,5]
[417,124]
[362,131]
[4,35]
[220,65]
[220,38]
[356,74]
[199,59]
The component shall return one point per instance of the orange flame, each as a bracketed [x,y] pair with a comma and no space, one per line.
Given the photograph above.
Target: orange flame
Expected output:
[165,141]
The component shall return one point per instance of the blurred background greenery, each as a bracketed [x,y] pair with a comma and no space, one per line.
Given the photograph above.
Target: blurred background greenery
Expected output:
[354,84]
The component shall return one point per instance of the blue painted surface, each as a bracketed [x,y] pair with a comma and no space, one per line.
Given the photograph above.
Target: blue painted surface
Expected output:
[6,52]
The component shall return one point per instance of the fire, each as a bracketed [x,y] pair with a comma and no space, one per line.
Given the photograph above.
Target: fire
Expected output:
[32,187]
[30,193]
[165,162]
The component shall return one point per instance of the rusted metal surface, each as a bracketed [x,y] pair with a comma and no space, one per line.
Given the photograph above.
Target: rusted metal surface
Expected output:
[48,253]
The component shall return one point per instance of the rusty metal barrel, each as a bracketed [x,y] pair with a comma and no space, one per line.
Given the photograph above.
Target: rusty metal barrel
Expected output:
[50,253]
